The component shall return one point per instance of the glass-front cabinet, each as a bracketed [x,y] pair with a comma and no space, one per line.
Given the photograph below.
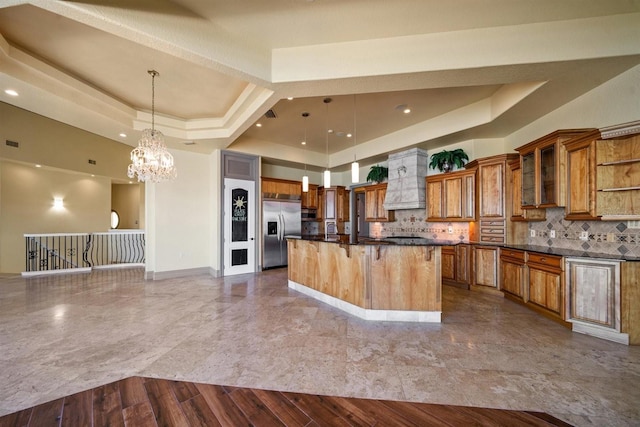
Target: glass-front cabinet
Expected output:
[543,163]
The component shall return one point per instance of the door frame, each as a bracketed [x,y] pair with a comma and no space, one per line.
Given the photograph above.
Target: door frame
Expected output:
[246,167]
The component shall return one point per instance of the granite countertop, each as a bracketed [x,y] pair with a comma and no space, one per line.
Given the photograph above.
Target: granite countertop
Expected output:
[420,241]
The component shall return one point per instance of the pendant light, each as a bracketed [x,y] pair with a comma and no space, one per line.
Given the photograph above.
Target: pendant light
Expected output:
[327,173]
[355,167]
[150,160]
[305,177]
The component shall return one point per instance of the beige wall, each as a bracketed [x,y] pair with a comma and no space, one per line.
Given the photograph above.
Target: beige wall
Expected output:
[26,195]
[51,143]
[125,199]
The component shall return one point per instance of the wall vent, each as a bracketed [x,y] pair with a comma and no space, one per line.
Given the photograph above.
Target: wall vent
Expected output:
[13,144]
[270,114]
[92,162]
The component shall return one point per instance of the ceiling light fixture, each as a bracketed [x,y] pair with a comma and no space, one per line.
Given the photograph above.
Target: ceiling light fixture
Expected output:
[355,166]
[327,173]
[305,177]
[150,159]
[11,92]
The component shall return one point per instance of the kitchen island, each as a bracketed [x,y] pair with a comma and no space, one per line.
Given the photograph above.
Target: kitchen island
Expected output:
[373,280]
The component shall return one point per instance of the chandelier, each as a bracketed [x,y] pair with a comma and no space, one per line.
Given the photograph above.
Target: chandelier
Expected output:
[150,160]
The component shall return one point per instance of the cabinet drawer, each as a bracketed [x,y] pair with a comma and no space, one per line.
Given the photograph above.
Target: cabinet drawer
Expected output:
[491,231]
[492,239]
[492,223]
[543,259]
[513,254]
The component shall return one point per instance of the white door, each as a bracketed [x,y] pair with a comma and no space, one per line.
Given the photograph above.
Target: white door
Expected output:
[239,226]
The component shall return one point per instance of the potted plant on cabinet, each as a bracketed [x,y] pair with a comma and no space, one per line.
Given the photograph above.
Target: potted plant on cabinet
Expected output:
[378,174]
[445,160]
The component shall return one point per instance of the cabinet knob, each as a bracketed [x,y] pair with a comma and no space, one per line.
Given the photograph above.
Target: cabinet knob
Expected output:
[543,259]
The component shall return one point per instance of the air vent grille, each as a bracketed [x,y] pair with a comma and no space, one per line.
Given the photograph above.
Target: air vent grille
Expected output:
[92,162]
[13,144]
[270,114]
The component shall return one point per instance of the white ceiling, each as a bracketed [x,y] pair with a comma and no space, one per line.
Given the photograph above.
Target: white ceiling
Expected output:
[467,69]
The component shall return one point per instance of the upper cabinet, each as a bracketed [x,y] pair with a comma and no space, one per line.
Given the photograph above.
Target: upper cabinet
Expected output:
[310,198]
[451,196]
[543,169]
[515,181]
[335,203]
[603,174]
[273,187]
[374,204]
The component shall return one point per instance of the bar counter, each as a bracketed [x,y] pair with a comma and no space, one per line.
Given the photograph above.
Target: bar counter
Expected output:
[372,280]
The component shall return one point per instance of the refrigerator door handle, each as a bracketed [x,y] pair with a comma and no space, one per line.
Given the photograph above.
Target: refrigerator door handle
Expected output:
[283,228]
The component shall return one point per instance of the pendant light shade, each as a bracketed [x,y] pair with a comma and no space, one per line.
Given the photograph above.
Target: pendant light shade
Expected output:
[305,178]
[327,179]
[305,184]
[355,172]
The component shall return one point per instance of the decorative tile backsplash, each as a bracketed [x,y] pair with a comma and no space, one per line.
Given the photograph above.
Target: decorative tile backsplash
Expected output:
[412,223]
[605,237]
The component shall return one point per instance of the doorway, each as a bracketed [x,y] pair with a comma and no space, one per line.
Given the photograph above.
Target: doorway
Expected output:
[239,227]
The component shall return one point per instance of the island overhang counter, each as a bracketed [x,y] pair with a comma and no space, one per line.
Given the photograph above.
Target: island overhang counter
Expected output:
[371,280]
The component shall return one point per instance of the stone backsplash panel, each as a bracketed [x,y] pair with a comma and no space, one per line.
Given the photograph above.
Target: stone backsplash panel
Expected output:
[605,237]
[412,223]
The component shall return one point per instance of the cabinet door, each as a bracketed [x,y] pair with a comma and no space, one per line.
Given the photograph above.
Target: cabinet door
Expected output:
[381,214]
[469,197]
[594,292]
[512,277]
[528,193]
[448,263]
[547,173]
[463,264]
[434,200]
[486,266]
[581,197]
[491,189]
[330,203]
[343,204]
[516,197]
[371,204]
[452,204]
[320,211]
[545,289]
[312,197]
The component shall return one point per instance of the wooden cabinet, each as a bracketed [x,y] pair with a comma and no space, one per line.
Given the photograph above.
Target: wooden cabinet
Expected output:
[515,183]
[581,180]
[485,261]
[451,196]
[310,198]
[494,201]
[456,265]
[374,204]
[545,283]
[272,187]
[512,272]
[335,204]
[602,298]
[321,203]
[543,164]
[618,176]
[603,174]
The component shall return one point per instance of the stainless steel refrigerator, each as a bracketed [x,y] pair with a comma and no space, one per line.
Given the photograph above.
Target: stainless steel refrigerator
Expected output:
[280,218]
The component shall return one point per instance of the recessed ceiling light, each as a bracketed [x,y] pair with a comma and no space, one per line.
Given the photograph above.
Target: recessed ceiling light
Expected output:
[404,108]
[11,92]
[290,98]
[349,135]
[304,143]
[259,125]
[38,166]
[123,135]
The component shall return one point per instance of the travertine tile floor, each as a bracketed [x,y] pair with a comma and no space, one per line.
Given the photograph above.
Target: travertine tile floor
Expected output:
[63,334]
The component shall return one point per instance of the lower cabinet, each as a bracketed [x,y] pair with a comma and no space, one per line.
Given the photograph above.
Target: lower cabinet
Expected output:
[485,261]
[456,265]
[512,272]
[545,279]
[603,299]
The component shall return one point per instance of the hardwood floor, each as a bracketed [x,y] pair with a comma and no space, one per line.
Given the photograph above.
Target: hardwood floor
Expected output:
[139,401]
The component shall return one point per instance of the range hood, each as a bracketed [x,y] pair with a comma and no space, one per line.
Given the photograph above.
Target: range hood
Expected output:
[406,185]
